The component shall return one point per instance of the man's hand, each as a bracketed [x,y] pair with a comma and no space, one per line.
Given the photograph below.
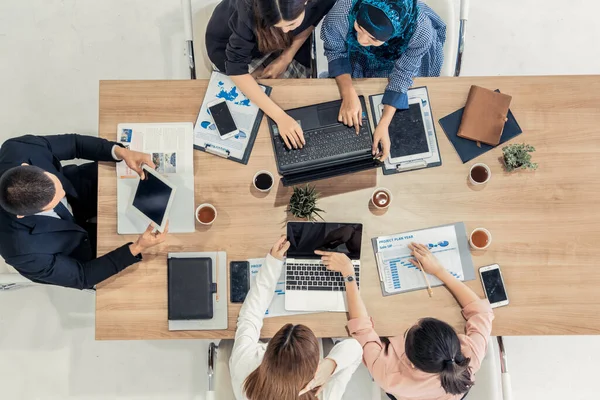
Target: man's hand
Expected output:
[430,263]
[276,68]
[381,136]
[148,239]
[279,248]
[338,262]
[351,110]
[134,160]
[326,368]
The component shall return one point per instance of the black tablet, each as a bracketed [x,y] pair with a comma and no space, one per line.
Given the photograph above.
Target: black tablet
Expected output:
[153,198]
[408,135]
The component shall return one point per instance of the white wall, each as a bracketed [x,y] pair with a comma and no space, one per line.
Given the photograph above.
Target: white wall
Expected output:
[52,55]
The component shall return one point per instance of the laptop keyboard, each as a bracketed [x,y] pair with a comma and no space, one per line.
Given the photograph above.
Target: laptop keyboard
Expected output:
[326,144]
[316,277]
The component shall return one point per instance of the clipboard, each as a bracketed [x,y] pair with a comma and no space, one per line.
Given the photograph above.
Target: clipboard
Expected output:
[463,249]
[223,151]
[436,159]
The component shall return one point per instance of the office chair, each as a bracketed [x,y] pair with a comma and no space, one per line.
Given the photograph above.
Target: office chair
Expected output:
[453,47]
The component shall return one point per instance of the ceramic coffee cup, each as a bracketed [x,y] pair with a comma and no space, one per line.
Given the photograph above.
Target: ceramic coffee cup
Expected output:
[206,214]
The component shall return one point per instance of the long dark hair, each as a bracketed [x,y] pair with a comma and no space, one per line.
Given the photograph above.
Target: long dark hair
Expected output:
[290,362]
[433,346]
[267,13]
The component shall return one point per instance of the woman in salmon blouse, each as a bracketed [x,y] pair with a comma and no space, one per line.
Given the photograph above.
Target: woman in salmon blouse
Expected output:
[430,361]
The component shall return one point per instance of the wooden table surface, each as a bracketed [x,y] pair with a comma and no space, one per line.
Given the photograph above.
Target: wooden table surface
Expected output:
[545,224]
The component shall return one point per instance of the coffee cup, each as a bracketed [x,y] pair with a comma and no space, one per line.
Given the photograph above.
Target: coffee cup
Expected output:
[480,239]
[381,198]
[263,181]
[206,214]
[479,174]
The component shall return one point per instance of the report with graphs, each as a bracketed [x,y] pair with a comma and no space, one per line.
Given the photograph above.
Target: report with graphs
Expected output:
[398,275]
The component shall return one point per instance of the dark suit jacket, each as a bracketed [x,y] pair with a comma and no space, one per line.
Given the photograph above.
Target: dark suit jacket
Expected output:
[51,250]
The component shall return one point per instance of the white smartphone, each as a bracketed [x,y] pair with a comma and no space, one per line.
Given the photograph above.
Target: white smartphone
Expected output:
[221,116]
[493,285]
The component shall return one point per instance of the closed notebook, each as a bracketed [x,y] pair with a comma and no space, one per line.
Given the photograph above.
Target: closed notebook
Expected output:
[484,116]
[191,288]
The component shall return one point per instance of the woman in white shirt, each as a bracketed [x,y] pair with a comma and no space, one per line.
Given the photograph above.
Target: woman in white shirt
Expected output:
[289,366]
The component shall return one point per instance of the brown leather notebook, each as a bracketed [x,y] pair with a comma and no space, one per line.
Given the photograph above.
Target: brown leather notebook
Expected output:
[484,116]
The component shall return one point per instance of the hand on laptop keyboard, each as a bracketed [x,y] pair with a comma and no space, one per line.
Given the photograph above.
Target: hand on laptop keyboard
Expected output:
[351,111]
[291,132]
[337,262]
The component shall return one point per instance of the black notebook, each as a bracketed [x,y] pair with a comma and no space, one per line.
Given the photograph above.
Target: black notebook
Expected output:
[191,288]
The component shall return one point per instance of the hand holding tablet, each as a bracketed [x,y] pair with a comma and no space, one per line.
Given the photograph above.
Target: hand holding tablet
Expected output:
[148,239]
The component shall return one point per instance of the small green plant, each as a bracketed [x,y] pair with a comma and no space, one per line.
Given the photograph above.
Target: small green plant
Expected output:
[303,203]
[517,156]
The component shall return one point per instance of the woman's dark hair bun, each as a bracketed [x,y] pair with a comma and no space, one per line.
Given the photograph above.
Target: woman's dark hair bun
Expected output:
[433,346]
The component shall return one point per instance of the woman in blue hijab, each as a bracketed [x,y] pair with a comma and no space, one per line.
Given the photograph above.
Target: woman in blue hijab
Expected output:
[394,39]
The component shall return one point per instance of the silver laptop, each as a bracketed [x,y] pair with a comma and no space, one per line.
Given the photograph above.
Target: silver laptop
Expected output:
[309,286]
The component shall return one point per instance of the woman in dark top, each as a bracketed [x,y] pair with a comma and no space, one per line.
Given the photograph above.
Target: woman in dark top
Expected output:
[242,35]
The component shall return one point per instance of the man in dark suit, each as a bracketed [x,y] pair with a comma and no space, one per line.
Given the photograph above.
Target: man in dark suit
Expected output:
[45,213]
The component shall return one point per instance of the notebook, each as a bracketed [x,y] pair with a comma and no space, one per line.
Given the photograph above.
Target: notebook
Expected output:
[220,297]
[191,288]
[484,116]
[247,117]
[468,149]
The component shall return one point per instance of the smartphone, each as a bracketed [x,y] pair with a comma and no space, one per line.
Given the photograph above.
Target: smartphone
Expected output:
[493,285]
[239,281]
[221,116]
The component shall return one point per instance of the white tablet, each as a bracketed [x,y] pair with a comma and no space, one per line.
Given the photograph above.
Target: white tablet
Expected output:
[153,198]
[408,135]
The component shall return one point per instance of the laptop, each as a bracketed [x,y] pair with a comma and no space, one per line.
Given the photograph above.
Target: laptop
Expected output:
[331,149]
[309,285]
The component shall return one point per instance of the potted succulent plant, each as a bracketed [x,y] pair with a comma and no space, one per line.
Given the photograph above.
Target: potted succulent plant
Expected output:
[303,203]
[518,156]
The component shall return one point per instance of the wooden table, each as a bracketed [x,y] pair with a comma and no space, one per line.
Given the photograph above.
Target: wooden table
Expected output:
[545,224]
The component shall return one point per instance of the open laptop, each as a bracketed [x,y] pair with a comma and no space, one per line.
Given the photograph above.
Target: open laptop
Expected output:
[331,147]
[309,285]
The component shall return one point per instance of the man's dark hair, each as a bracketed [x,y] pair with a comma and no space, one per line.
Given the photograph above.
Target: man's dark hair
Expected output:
[26,190]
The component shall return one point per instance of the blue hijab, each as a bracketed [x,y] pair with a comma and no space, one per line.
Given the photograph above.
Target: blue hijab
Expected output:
[390,21]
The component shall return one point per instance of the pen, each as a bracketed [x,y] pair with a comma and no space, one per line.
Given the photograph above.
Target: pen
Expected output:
[429,291]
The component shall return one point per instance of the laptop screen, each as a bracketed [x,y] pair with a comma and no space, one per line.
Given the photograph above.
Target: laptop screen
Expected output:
[306,237]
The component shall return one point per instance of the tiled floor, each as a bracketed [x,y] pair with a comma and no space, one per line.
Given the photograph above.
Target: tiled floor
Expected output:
[53,52]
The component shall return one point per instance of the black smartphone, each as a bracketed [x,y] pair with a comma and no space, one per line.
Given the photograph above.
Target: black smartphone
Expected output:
[239,281]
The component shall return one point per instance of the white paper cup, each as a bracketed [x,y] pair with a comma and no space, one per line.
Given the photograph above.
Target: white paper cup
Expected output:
[489,172]
[266,173]
[201,206]
[382,189]
[489,235]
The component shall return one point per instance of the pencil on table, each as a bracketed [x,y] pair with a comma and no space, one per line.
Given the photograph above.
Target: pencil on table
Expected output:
[429,291]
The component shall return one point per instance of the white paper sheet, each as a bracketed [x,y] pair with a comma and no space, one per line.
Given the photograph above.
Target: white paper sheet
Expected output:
[277,306]
[166,143]
[395,269]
